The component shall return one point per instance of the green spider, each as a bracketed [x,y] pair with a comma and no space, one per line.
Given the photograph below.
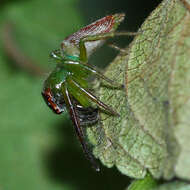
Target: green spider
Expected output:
[66,88]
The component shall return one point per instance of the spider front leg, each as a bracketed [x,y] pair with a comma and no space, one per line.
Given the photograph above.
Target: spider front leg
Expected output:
[92,70]
[80,92]
[92,38]
[72,110]
[102,36]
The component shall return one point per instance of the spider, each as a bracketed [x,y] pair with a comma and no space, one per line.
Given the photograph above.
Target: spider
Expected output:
[66,88]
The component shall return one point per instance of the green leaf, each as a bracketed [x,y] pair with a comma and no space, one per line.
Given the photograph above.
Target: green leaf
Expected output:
[148,183]
[176,185]
[29,130]
[151,133]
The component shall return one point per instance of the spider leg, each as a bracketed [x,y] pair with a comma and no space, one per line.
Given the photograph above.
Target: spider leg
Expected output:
[102,36]
[92,70]
[72,110]
[96,37]
[114,46]
[83,92]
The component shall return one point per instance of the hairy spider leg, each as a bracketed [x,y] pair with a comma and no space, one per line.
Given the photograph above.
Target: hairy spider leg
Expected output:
[82,48]
[72,109]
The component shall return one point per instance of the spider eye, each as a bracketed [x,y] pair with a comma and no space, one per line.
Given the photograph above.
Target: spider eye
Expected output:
[56,54]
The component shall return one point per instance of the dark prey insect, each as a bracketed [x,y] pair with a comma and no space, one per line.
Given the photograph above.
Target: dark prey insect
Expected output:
[66,88]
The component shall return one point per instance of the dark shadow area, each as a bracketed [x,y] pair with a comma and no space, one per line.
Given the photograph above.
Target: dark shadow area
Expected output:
[136,12]
[66,163]
[5,2]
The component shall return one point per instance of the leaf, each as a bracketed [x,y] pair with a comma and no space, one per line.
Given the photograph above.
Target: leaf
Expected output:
[151,133]
[176,185]
[28,132]
[148,183]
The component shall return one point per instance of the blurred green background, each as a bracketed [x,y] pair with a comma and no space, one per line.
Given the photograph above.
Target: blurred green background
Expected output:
[38,149]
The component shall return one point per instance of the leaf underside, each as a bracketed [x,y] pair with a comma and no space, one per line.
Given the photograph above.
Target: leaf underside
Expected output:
[176,185]
[151,133]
